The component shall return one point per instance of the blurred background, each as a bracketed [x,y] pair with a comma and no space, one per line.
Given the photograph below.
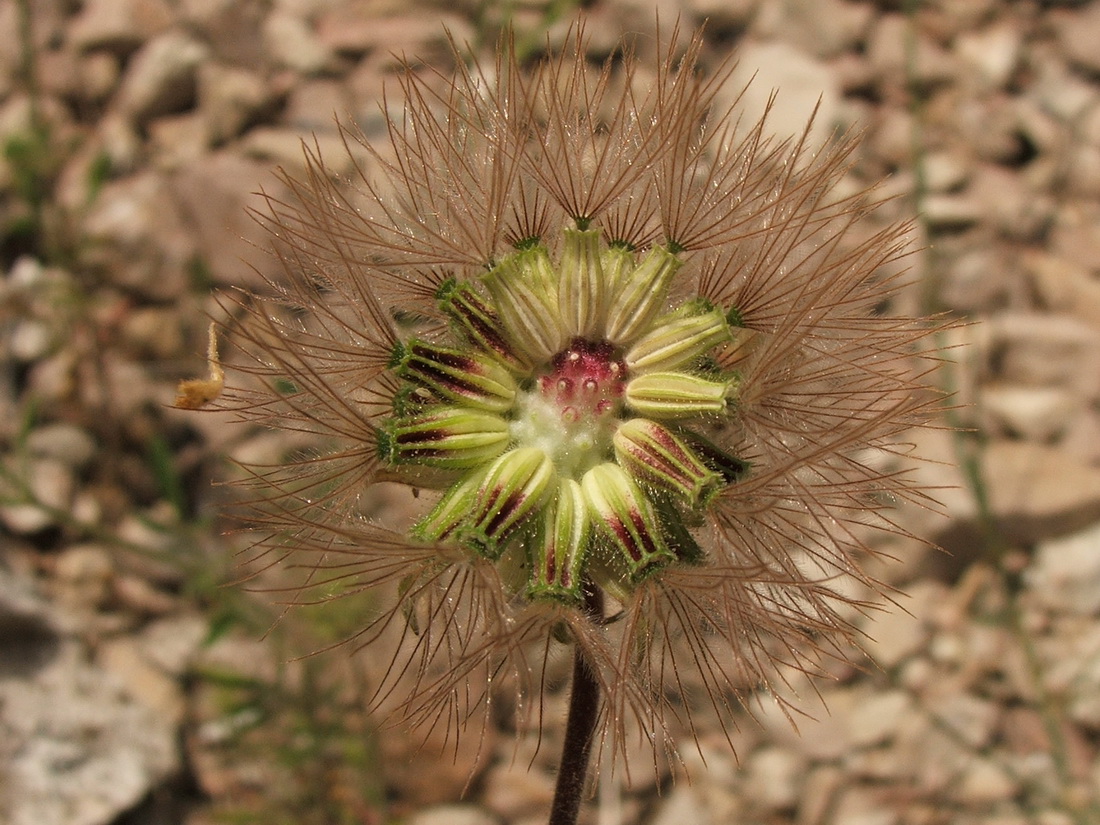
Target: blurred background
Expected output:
[140,686]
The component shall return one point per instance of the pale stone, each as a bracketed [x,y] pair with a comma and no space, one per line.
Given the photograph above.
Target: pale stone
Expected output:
[30,340]
[155,332]
[892,137]
[292,43]
[1034,413]
[76,749]
[971,719]
[887,53]
[1038,492]
[137,595]
[39,497]
[230,99]
[452,815]
[1074,234]
[83,577]
[1082,439]
[353,28]
[117,139]
[119,26]
[985,783]
[284,147]
[1065,285]
[1060,92]
[315,105]
[990,127]
[1078,35]
[804,85]
[173,643]
[822,28]
[725,13]
[99,75]
[211,194]
[179,141]
[945,171]
[774,778]
[681,806]
[1043,349]
[897,631]
[861,806]
[1071,666]
[54,379]
[819,793]
[950,212]
[993,52]
[161,77]
[820,729]
[977,278]
[1082,171]
[1066,572]
[875,720]
[141,679]
[11,50]
[134,231]
[512,791]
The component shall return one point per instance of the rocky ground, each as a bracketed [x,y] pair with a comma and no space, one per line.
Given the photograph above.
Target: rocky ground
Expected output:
[135,688]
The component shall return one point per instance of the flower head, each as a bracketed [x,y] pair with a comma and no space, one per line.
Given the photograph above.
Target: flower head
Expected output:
[631,350]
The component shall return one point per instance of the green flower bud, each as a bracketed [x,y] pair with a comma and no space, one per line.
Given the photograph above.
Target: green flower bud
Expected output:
[514,486]
[447,437]
[455,375]
[559,556]
[677,340]
[671,395]
[523,289]
[581,283]
[641,295]
[650,453]
[624,515]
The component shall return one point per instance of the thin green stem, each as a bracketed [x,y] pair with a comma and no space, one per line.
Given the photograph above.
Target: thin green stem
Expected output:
[580,729]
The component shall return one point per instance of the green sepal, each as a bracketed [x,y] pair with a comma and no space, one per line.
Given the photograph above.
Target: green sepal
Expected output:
[641,295]
[558,563]
[653,455]
[581,286]
[624,515]
[478,322]
[456,375]
[447,437]
[514,486]
[731,468]
[523,288]
[676,529]
[451,511]
[617,262]
[672,395]
[678,339]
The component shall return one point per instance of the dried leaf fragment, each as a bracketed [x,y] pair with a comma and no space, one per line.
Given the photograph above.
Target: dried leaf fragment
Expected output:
[198,392]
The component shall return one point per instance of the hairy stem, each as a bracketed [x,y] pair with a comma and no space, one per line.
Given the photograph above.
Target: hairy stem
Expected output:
[580,726]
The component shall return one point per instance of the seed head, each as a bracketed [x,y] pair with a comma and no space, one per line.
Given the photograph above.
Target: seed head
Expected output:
[623,348]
